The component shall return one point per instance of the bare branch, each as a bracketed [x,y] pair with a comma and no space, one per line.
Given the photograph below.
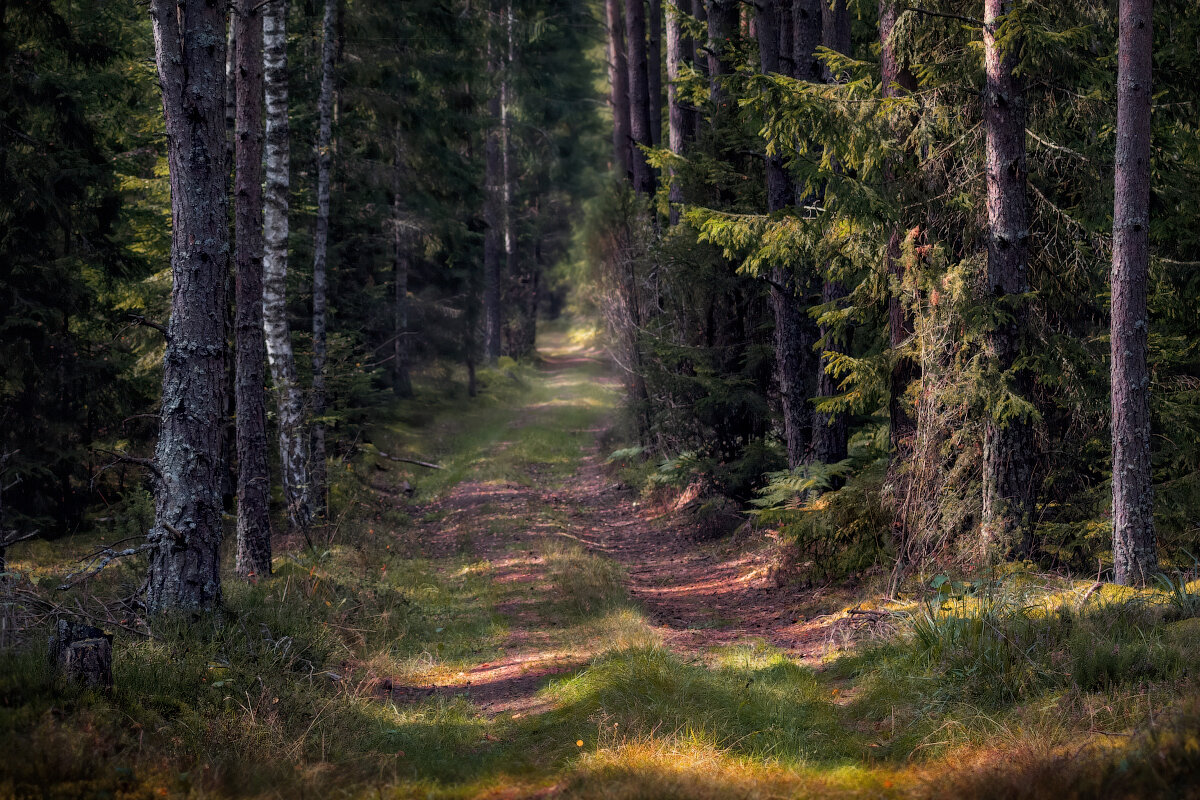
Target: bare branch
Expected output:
[138,319]
[969,20]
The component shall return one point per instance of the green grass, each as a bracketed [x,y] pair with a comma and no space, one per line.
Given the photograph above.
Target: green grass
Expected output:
[1014,691]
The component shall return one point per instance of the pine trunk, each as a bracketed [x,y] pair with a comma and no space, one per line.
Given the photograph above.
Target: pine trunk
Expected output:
[831,431]
[618,77]
[723,20]
[1135,556]
[654,68]
[184,570]
[677,117]
[320,299]
[897,80]
[253,480]
[639,95]
[401,379]
[293,444]
[795,332]
[1008,444]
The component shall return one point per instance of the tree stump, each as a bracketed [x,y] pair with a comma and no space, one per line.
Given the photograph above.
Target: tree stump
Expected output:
[82,654]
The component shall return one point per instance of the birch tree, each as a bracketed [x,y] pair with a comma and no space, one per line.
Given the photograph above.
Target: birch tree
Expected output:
[293,445]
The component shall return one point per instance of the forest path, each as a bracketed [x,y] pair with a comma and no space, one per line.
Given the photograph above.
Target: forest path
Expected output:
[539,514]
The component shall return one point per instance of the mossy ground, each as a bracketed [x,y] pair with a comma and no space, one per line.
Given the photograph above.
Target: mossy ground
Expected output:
[460,641]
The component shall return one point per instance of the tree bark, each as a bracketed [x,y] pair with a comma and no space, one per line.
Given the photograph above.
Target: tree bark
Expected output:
[493,211]
[401,379]
[1135,556]
[897,80]
[184,571]
[320,299]
[254,481]
[639,95]
[654,68]
[293,444]
[618,77]
[1008,444]
[678,118]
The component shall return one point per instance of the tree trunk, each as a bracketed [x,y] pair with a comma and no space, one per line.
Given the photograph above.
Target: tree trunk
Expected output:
[723,19]
[897,80]
[699,59]
[831,431]
[835,29]
[293,444]
[1135,556]
[654,68]
[807,30]
[618,78]
[639,95]
[254,481]
[320,252]
[184,571]
[493,211]
[795,331]
[1008,443]
[521,317]
[677,116]
[401,380]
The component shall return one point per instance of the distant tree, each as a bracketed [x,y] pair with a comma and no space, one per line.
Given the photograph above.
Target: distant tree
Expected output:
[897,80]
[831,430]
[654,23]
[679,119]
[1135,556]
[185,569]
[493,203]
[639,95]
[618,81]
[320,300]
[253,478]
[401,379]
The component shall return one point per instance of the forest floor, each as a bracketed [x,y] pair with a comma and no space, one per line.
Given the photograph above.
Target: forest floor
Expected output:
[520,624]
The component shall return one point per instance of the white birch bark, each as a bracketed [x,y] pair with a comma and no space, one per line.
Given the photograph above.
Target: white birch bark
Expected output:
[293,445]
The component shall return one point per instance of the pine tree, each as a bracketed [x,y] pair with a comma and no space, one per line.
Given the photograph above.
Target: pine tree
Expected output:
[185,569]
[1008,491]
[1135,556]
[639,95]
[320,299]
[618,81]
[253,479]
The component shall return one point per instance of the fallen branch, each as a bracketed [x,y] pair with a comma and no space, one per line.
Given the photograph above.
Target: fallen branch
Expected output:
[419,463]
[100,560]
